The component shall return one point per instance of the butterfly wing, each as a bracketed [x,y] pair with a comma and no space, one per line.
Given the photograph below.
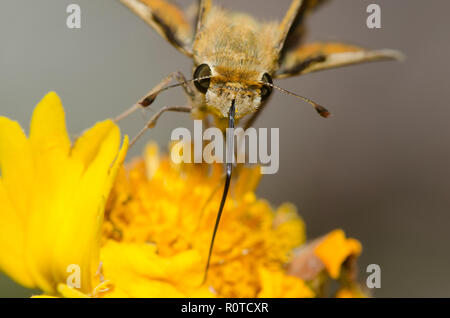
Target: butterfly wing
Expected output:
[296,58]
[167,19]
[293,26]
[315,57]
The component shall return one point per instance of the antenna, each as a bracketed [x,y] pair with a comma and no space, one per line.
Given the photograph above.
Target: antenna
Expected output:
[320,109]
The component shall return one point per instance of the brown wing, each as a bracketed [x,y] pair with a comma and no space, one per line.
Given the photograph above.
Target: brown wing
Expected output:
[167,19]
[292,28]
[204,6]
[321,56]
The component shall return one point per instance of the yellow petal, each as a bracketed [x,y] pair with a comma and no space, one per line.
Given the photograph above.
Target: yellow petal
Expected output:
[334,249]
[354,247]
[137,271]
[16,171]
[80,228]
[152,159]
[353,291]
[55,176]
[48,127]
[69,292]
[86,148]
[276,284]
[16,165]
[118,163]
[12,233]
[52,206]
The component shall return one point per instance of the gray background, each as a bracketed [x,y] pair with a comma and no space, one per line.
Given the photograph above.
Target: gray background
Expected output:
[378,168]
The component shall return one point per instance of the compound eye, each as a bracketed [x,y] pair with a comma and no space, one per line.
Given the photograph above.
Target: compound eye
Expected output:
[266,90]
[202,70]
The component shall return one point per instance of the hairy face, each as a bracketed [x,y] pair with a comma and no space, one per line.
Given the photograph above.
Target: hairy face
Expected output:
[225,84]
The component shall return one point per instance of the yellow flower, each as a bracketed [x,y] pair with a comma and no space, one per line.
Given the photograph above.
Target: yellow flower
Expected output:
[52,197]
[159,223]
[153,232]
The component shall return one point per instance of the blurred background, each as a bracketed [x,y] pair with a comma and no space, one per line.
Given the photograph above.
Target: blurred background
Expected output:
[378,168]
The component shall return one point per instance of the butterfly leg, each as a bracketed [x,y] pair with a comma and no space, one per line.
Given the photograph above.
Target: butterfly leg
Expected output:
[152,122]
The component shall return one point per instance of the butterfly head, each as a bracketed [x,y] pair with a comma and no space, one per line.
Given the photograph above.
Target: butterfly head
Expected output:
[222,85]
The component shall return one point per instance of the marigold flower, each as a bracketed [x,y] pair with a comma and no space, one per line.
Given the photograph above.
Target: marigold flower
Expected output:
[52,197]
[163,213]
